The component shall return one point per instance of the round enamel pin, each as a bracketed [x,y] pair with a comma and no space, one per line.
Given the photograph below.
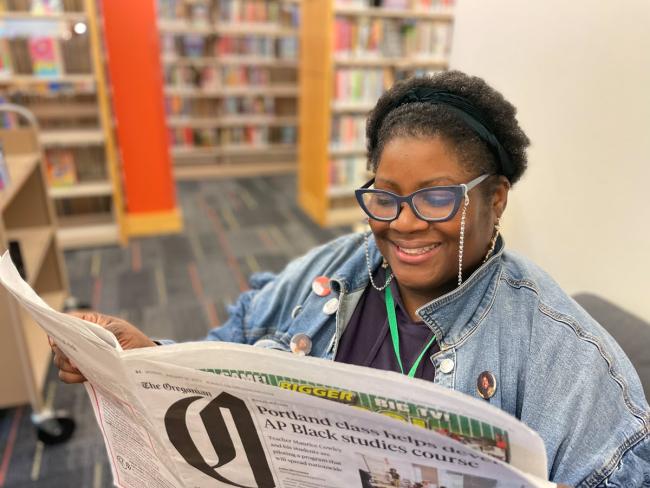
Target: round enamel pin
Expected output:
[321,286]
[486,385]
[300,344]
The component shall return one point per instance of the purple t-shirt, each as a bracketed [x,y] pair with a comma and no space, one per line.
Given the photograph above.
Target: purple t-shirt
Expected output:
[367,342]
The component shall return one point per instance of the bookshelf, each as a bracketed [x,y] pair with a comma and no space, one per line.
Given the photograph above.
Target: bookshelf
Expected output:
[364,46]
[51,63]
[231,89]
[28,222]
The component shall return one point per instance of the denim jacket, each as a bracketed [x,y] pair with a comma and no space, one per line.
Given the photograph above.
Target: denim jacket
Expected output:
[557,370]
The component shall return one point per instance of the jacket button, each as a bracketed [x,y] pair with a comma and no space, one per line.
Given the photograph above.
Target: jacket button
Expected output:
[446,366]
[296,310]
[331,306]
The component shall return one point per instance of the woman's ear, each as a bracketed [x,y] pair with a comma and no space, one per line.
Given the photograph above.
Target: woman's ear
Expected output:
[500,195]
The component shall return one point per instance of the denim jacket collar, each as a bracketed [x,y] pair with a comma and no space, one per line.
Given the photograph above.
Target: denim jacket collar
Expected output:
[452,316]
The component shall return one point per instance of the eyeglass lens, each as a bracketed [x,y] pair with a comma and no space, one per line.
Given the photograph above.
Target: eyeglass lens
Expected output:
[431,204]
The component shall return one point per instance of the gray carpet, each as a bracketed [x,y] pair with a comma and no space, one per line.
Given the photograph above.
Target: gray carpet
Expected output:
[175,286]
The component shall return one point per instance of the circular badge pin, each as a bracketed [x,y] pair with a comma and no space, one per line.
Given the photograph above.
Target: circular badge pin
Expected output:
[321,286]
[300,344]
[446,365]
[331,306]
[486,385]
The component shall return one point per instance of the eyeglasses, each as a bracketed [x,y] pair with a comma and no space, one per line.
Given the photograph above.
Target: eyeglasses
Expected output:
[434,204]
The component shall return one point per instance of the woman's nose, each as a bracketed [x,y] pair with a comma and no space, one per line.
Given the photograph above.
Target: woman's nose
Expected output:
[407,221]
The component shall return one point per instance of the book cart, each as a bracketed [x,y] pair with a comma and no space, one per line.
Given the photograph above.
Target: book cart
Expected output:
[51,62]
[28,230]
[363,47]
[230,85]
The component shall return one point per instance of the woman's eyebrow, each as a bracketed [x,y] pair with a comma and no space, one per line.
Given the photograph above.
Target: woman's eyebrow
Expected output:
[441,180]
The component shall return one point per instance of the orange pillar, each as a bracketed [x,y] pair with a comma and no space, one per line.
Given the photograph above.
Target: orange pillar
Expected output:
[133,56]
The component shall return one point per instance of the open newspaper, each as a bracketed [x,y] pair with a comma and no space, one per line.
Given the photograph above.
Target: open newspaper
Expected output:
[224,415]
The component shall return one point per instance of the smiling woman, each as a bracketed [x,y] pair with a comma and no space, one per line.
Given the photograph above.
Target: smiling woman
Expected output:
[432,292]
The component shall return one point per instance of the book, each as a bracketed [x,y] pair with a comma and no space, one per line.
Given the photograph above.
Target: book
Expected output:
[45,57]
[61,168]
[40,7]
[6,69]
[4,170]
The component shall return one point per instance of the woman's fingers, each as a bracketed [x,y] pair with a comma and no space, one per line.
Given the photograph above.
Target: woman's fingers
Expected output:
[68,373]
[71,377]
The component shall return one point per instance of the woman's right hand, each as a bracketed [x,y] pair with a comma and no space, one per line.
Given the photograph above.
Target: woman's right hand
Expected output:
[128,335]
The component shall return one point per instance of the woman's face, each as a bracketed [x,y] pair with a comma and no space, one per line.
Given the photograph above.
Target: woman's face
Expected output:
[424,255]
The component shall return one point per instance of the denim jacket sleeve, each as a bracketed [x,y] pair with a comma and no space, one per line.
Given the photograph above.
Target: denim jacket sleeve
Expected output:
[633,468]
[588,406]
[233,330]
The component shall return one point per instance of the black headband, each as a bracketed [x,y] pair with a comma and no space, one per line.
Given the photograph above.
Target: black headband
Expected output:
[468,112]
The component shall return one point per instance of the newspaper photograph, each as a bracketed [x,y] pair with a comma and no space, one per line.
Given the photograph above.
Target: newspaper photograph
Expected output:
[216,414]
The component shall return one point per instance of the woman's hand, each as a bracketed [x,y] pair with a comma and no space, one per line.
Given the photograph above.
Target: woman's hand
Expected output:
[129,337]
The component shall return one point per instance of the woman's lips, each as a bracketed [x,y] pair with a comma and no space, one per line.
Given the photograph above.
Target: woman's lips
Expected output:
[413,254]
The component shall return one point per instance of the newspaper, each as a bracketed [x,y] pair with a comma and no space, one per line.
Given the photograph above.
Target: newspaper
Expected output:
[223,415]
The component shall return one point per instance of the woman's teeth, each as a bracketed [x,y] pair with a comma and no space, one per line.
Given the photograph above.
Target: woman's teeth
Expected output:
[418,250]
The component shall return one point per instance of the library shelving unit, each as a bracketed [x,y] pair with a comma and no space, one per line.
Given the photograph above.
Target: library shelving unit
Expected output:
[28,230]
[231,90]
[51,63]
[363,48]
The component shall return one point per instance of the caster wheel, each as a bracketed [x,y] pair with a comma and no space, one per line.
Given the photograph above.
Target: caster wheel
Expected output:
[55,430]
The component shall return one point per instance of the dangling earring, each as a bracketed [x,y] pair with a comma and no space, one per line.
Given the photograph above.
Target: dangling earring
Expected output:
[493,242]
[384,265]
[461,241]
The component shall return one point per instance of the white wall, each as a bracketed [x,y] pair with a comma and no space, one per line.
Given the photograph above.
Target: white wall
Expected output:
[579,73]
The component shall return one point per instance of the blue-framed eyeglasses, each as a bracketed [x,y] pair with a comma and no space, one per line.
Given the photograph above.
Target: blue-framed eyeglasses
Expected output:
[434,204]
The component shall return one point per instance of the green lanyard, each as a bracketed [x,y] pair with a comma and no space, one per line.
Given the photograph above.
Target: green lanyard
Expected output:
[394,335]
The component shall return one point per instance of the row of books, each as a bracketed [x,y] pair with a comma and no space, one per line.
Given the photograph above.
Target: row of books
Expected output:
[215,77]
[197,46]
[391,37]
[348,173]
[281,47]
[94,206]
[267,11]
[360,85]
[416,5]
[44,56]
[41,6]
[214,107]
[249,11]
[251,135]
[8,120]
[66,167]
[197,13]
[348,131]
[230,105]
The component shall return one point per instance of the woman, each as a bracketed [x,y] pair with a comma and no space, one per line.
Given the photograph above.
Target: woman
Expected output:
[431,291]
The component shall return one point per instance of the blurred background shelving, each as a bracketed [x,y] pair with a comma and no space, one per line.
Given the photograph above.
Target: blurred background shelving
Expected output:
[52,64]
[231,90]
[364,47]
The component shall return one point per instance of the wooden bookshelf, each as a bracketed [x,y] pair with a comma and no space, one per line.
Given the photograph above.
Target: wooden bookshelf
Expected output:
[28,220]
[363,50]
[231,108]
[68,96]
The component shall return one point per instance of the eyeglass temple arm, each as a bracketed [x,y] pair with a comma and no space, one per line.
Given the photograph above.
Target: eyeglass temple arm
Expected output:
[474,182]
[369,184]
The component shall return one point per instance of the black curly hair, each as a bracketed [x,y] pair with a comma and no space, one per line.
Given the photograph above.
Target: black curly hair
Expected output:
[424,119]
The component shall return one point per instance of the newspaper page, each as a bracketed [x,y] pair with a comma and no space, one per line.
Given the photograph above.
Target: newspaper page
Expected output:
[183,415]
